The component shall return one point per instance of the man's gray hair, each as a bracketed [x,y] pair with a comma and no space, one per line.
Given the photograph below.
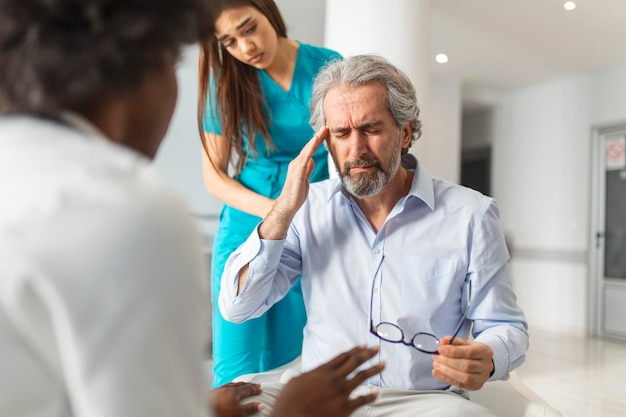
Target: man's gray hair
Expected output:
[361,70]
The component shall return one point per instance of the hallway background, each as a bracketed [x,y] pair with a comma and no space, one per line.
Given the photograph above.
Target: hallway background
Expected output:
[526,81]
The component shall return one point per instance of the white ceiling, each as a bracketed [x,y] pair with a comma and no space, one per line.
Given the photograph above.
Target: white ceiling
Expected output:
[496,45]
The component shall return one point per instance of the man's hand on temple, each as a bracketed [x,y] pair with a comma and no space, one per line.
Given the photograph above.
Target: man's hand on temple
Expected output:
[294,192]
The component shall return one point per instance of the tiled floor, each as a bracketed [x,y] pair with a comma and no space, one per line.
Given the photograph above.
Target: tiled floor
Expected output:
[581,377]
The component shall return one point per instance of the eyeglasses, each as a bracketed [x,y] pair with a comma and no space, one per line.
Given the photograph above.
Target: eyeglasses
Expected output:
[422,341]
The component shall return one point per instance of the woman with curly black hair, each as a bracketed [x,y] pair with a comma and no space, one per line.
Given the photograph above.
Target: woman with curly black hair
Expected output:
[101,270]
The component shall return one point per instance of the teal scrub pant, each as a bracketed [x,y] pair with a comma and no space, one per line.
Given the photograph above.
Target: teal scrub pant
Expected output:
[259,344]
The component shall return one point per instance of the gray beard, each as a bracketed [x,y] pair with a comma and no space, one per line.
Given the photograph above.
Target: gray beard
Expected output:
[363,184]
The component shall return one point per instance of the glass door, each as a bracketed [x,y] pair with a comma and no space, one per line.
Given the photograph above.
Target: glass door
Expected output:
[609,232]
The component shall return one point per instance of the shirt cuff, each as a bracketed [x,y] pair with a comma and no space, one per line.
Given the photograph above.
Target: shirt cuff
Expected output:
[501,358]
[264,255]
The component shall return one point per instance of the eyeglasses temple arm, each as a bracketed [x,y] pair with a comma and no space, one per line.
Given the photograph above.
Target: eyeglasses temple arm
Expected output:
[458,328]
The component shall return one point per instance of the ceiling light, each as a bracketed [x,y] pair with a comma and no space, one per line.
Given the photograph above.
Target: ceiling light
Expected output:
[441,58]
[569,5]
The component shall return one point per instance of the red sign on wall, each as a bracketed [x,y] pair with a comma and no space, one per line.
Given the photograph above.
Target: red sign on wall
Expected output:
[615,154]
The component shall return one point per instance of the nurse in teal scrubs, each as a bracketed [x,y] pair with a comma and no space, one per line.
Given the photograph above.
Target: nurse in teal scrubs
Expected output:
[255,120]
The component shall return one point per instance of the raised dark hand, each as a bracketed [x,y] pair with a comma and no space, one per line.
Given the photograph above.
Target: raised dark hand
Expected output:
[325,391]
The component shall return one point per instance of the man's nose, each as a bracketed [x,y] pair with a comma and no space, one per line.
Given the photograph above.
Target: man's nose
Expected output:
[358,143]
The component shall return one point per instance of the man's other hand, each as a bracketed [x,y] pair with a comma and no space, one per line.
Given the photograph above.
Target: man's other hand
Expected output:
[463,364]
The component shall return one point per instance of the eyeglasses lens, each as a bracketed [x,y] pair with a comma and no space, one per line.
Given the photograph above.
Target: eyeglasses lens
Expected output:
[389,332]
[426,342]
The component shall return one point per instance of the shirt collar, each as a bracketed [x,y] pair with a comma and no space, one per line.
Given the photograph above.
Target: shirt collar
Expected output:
[421,186]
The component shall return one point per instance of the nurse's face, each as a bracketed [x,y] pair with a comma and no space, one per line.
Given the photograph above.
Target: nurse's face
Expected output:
[247,35]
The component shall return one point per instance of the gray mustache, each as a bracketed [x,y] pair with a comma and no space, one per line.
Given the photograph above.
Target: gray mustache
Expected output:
[361,163]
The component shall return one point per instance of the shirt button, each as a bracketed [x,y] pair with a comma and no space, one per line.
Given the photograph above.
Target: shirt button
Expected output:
[376,290]
[376,251]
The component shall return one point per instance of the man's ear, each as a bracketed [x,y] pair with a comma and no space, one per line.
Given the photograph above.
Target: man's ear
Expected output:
[407,134]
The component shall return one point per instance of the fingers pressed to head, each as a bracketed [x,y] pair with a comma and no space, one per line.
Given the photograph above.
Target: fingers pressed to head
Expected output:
[317,139]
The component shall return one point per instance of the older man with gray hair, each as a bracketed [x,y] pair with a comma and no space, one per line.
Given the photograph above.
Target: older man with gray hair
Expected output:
[389,255]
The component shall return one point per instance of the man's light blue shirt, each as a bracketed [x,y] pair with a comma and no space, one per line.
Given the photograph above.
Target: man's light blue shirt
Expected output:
[435,240]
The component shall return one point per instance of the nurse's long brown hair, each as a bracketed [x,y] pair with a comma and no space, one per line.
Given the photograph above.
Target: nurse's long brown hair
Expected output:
[238,100]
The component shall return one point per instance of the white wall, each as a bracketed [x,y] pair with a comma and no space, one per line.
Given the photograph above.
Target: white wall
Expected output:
[440,147]
[609,95]
[541,164]
[542,182]
[304,19]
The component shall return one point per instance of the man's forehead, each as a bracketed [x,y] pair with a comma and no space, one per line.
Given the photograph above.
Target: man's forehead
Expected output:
[373,90]
[356,105]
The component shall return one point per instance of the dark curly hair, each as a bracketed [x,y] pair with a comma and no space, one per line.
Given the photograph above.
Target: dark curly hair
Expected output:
[60,54]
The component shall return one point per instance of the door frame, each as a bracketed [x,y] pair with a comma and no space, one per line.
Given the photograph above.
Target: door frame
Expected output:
[596,237]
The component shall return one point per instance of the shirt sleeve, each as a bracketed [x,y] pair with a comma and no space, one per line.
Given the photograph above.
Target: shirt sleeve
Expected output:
[497,319]
[272,272]
[124,289]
